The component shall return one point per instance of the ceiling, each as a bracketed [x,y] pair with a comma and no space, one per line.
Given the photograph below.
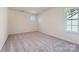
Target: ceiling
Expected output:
[34,10]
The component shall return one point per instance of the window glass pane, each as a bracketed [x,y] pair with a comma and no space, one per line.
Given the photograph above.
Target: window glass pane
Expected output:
[74,22]
[75,16]
[33,18]
[75,28]
[72,16]
[68,17]
[72,19]
[68,22]
[68,28]
[76,11]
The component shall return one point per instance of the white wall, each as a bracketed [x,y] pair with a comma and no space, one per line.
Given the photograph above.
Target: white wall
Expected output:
[3,26]
[19,22]
[51,22]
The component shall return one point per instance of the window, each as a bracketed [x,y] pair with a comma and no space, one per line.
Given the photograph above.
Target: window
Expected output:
[72,20]
[33,18]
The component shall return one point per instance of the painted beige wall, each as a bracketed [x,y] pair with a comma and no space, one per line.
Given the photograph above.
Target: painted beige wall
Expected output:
[51,22]
[3,26]
[19,22]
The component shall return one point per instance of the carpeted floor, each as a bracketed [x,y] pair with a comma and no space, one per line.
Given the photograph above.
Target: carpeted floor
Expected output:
[37,42]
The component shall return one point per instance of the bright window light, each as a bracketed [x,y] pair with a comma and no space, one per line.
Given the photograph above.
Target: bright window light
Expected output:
[33,18]
[72,20]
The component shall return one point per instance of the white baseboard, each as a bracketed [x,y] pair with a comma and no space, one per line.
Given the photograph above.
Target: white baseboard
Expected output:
[66,39]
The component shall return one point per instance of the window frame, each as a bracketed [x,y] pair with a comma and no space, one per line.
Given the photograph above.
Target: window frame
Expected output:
[71,23]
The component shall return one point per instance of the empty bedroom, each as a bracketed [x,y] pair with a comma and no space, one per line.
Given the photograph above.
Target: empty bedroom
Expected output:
[39,29]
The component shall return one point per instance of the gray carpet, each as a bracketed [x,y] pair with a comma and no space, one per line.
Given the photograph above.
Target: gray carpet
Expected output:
[37,42]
